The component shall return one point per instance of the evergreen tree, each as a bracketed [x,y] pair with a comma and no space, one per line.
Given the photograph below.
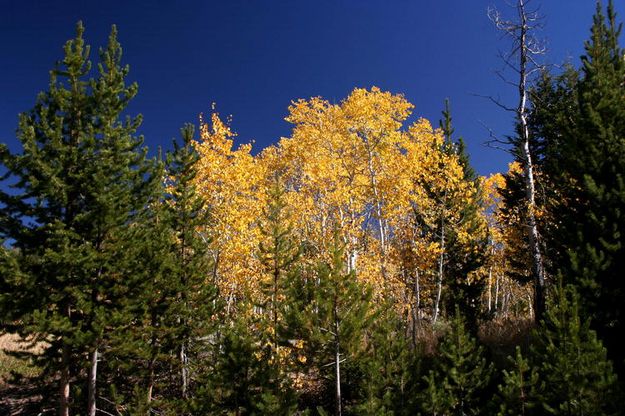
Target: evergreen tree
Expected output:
[464,257]
[78,182]
[278,254]
[177,306]
[386,365]
[195,302]
[575,375]
[339,316]
[240,378]
[460,375]
[592,159]
[519,389]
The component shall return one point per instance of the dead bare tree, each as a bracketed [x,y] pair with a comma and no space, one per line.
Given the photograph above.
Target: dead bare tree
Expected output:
[521,60]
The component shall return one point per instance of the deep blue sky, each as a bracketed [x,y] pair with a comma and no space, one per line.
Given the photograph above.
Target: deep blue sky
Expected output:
[253,57]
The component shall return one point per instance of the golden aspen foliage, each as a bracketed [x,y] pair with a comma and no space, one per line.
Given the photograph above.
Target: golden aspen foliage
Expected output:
[229,179]
[352,167]
[505,294]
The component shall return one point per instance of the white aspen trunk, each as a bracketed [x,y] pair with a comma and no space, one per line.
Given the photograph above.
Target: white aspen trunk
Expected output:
[350,241]
[439,283]
[530,188]
[490,273]
[93,375]
[497,292]
[490,287]
[525,46]
[378,212]
[150,385]
[416,308]
[337,364]
[418,293]
[337,359]
[353,255]
[64,383]
[184,373]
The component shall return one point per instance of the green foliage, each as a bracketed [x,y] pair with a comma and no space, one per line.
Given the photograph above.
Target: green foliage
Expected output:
[566,371]
[177,306]
[519,389]
[78,182]
[576,376]
[461,257]
[579,123]
[386,365]
[240,381]
[459,377]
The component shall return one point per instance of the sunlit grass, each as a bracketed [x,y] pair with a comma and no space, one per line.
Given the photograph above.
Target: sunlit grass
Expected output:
[11,365]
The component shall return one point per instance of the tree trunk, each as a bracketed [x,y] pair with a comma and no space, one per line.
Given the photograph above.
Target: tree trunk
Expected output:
[378,213]
[64,382]
[439,283]
[497,293]
[530,187]
[337,362]
[337,357]
[416,308]
[184,373]
[150,382]
[93,375]
[490,287]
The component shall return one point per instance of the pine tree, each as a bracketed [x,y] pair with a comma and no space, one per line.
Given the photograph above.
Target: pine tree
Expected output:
[592,161]
[195,302]
[464,257]
[387,365]
[518,392]
[339,316]
[278,253]
[459,377]
[239,380]
[78,182]
[177,305]
[575,375]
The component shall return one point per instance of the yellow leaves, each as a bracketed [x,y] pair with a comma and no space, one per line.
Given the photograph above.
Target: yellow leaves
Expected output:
[228,180]
[350,166]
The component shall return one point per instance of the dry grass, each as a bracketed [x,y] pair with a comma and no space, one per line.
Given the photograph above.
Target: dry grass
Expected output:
[502,336]
[19,394]
[11,365]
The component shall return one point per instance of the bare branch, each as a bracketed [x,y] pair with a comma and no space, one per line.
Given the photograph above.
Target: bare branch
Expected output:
[496,101]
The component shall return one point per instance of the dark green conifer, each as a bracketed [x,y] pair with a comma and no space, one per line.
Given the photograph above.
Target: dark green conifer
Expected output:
[462,258]
[386,364]
[593,161]
[460,375]
[78,182]
[576,377]
[341,313]
[178,306]
[518,392]
[239,379]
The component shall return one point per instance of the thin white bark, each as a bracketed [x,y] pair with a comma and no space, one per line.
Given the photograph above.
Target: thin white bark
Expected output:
[93,376]
[65,382]
[184,373]
[530,188]
[439,282]
[337,360]
[497,292]
[337,363]
[526,48]
[490,287]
